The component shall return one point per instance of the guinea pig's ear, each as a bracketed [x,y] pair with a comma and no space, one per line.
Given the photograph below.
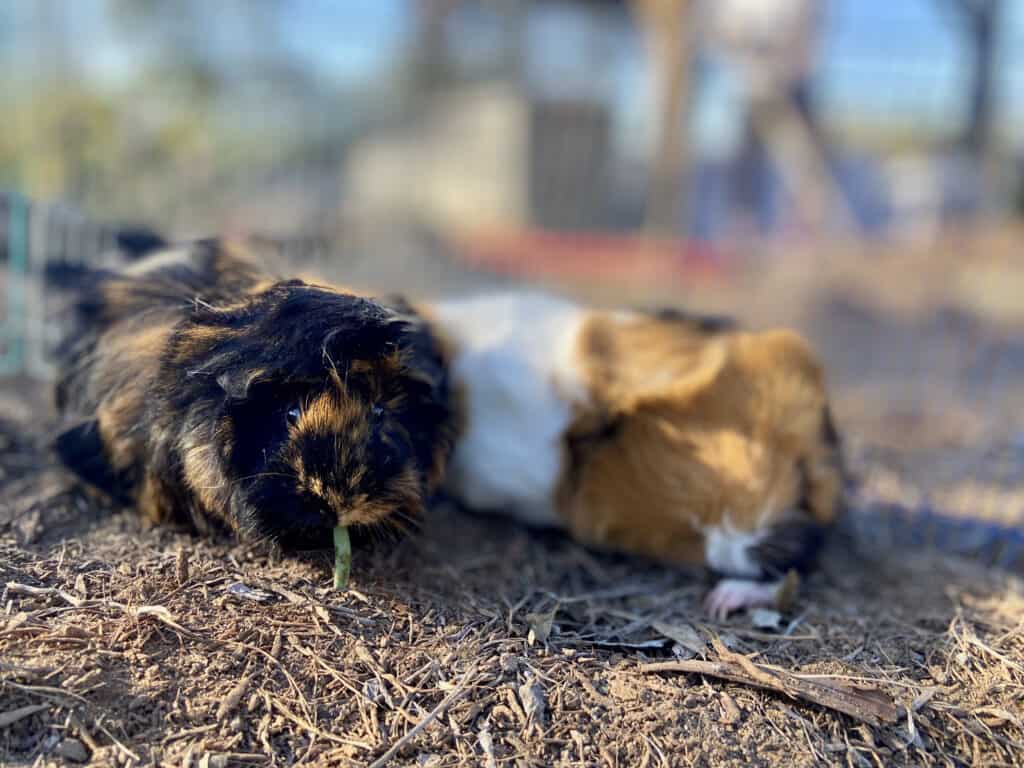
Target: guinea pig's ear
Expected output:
[398,304]
[423,355]
[682,374]
[636,359]
[236,384]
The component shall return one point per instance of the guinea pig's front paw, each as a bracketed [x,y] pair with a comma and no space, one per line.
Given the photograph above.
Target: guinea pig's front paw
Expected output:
[731,595]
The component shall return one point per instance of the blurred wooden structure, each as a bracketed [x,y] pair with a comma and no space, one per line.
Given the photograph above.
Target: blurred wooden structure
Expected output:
[979,21]
[772,42]
[668,31]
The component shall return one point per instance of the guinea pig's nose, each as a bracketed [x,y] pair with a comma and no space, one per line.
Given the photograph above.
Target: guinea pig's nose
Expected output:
[318,511]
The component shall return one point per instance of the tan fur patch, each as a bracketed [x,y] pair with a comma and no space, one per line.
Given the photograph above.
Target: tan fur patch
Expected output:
[148,342]
[690,430]
[154,505]
[334,412]
[204,477]
[131,360]
[202,338]
[115,416]
[397,504]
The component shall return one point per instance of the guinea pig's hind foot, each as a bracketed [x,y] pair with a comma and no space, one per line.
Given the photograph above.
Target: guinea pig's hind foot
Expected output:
[730,595]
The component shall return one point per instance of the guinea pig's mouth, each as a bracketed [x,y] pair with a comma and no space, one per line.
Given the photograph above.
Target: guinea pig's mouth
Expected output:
[291,521]
[302,527]
[306,520]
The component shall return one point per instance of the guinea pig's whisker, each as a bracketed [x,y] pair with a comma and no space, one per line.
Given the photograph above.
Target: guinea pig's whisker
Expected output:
[260,475]
[401,522]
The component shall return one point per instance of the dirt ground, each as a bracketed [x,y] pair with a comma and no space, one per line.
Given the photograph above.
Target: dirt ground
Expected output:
[478,642]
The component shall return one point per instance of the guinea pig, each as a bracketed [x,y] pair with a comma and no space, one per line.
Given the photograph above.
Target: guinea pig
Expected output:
[197,388]
[674,437]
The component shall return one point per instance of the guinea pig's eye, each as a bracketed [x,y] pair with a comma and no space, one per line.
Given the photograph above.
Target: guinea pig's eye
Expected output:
[293,415]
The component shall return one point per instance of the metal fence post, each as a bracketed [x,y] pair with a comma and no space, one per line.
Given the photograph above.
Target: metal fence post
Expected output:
[12,330]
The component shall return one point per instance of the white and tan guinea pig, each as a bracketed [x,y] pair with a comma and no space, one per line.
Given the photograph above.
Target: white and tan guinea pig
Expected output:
[660,434]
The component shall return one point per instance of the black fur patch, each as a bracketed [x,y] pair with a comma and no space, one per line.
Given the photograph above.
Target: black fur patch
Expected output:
[81,450]
[581,442]
[790,545]
[709,324]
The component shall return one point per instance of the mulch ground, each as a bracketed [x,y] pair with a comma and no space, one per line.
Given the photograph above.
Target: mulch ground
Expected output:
[479,642]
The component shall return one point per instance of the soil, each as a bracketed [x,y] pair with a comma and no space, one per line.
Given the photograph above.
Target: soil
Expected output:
[479,642]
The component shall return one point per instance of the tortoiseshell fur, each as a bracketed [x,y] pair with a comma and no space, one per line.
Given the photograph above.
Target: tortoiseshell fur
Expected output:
[200,389]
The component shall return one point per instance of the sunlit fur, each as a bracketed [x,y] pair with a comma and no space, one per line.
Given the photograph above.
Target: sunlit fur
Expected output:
[687,440]
[198,388]
[692,430]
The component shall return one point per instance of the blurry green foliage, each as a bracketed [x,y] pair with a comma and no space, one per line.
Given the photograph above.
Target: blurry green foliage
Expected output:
[184,117]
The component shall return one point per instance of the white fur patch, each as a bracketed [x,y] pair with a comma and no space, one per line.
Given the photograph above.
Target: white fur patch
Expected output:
[727,550]
[515,360]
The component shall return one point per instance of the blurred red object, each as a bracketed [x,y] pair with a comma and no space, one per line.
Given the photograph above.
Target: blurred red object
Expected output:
[594,257]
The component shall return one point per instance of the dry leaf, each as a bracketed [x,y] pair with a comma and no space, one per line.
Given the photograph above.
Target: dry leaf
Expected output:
[160,613]
[531,696]
[540,626]
[486,742]
[245,592]
[923,698]
[682,634]
[765,618]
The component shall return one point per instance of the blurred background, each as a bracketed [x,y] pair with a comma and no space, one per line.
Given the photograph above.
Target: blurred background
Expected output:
[854,168]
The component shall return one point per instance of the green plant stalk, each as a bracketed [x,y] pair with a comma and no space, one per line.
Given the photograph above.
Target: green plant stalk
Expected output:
[342,557]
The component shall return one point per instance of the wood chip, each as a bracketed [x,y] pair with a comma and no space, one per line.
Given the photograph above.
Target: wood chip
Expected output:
[181,566]
[234,696]
[72,750]
[730,711]
[14,715]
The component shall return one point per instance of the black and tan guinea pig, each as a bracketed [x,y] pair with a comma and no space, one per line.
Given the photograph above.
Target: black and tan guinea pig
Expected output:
[674,437]
[198,388]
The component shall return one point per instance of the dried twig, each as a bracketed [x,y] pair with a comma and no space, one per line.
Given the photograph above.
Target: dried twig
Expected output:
[867,705]
[234,696]
[127,752]
[275,703]
[162,614]
[15,588]
[432,715]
